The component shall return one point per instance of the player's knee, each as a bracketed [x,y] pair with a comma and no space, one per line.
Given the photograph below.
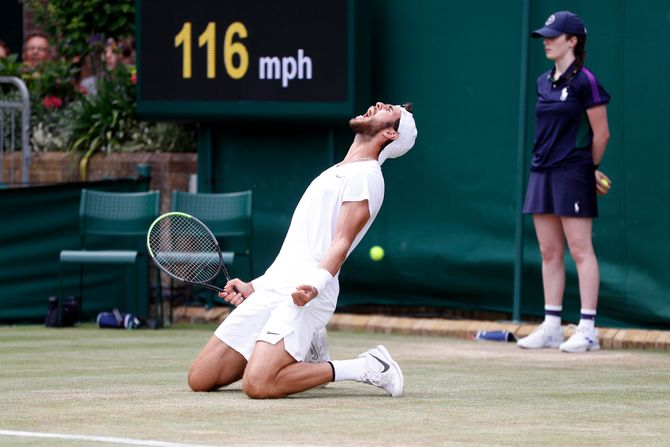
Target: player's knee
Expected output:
[254,391]
[258,387]
[194,383]
[198,382]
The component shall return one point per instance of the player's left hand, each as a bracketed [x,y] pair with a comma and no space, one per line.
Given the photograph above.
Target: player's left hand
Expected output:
[303,294]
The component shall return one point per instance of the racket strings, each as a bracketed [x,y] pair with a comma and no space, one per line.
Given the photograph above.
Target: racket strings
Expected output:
[185,249]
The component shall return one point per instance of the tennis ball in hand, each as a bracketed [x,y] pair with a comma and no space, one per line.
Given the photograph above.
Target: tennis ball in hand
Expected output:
[376,253]
[605,182]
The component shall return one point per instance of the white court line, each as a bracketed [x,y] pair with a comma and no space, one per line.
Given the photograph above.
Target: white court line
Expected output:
[109,439]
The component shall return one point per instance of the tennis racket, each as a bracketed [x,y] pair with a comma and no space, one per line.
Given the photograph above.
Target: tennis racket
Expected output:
[184,248]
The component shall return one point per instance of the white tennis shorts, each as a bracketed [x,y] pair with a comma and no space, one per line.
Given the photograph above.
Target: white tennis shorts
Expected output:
[270,316]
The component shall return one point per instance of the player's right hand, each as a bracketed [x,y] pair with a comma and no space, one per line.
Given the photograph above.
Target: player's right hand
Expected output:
[236,291]
[603,183]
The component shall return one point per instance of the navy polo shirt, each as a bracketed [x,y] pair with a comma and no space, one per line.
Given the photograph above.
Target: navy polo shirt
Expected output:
[563,134]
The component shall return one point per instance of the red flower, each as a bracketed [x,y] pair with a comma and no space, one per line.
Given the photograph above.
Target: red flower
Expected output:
[133,79]
[52,102]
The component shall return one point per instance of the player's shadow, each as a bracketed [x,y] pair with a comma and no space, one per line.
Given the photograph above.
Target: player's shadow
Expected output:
[316,393]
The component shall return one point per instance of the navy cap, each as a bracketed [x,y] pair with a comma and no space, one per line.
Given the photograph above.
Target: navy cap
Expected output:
[562,22]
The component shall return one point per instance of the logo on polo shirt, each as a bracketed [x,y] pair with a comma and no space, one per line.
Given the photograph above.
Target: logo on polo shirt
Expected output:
[550,20]
[577,207]
[564,94]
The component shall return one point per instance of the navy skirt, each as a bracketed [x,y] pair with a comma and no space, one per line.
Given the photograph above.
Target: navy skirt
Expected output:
[568,192]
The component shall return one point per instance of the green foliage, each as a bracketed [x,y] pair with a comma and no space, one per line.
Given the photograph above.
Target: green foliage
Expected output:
[63,115]
[51,78]
[55,78]
[78,26]
[10,66]
[51,87]
[106,121]
[102,120]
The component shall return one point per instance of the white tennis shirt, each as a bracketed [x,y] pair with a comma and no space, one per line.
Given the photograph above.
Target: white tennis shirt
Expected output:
[314,223]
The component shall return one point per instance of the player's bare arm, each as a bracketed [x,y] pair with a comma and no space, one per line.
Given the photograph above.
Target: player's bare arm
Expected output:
[353,217]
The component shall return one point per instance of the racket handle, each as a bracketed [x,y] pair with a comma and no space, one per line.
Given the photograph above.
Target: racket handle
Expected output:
[218,289]
[211,287]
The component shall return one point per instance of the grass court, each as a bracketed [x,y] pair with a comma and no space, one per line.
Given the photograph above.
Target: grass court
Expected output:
[100,384]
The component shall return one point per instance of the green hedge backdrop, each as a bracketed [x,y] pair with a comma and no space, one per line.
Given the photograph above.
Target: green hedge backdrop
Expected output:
[448,221]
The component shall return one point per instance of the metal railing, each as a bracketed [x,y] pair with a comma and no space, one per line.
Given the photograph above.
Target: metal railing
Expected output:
[8,133]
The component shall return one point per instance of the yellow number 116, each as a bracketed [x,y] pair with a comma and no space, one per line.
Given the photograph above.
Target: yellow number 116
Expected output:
[208,38]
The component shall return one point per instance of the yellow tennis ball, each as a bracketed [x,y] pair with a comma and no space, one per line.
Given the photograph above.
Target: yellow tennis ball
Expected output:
[376,253]
[605,182]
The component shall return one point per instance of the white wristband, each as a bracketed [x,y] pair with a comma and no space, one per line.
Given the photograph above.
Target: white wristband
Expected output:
[319,279]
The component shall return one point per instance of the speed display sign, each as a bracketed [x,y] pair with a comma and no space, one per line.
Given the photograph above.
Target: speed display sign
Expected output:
[246,58]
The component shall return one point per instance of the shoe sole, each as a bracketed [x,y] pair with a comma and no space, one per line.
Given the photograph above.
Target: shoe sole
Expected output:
[395,365]
[552,346]
[587,349]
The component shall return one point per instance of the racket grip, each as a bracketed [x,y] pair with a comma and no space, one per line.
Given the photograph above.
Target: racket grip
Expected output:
[234,289]
[219,289]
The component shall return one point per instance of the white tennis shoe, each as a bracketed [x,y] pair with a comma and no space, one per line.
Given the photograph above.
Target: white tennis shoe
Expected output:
[318,349]
[545,336]
[382,371]
[582,340]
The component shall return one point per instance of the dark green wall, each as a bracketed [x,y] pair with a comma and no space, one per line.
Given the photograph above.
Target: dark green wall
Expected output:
[448,221]
[37,223]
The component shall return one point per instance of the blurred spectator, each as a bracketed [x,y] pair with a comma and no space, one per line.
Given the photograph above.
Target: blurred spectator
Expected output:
[119,51]
[88,84]
[36,49]
[112,54]
[128,51]
[4,49]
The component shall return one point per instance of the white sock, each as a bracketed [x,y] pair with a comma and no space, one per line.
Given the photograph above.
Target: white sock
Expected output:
[348,369]
[588,319]
[552,315]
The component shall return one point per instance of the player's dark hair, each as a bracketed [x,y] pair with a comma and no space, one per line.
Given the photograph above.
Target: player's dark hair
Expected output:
[580,48]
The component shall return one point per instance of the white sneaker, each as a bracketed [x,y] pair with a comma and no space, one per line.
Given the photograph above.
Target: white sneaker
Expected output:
[318,350]
[582,340]
[382,371]
[545,336]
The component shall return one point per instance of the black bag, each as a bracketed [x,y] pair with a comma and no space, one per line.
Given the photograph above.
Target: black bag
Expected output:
[70,311]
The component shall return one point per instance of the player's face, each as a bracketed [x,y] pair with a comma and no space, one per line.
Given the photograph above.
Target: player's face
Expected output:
[377,118]
[557,47]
